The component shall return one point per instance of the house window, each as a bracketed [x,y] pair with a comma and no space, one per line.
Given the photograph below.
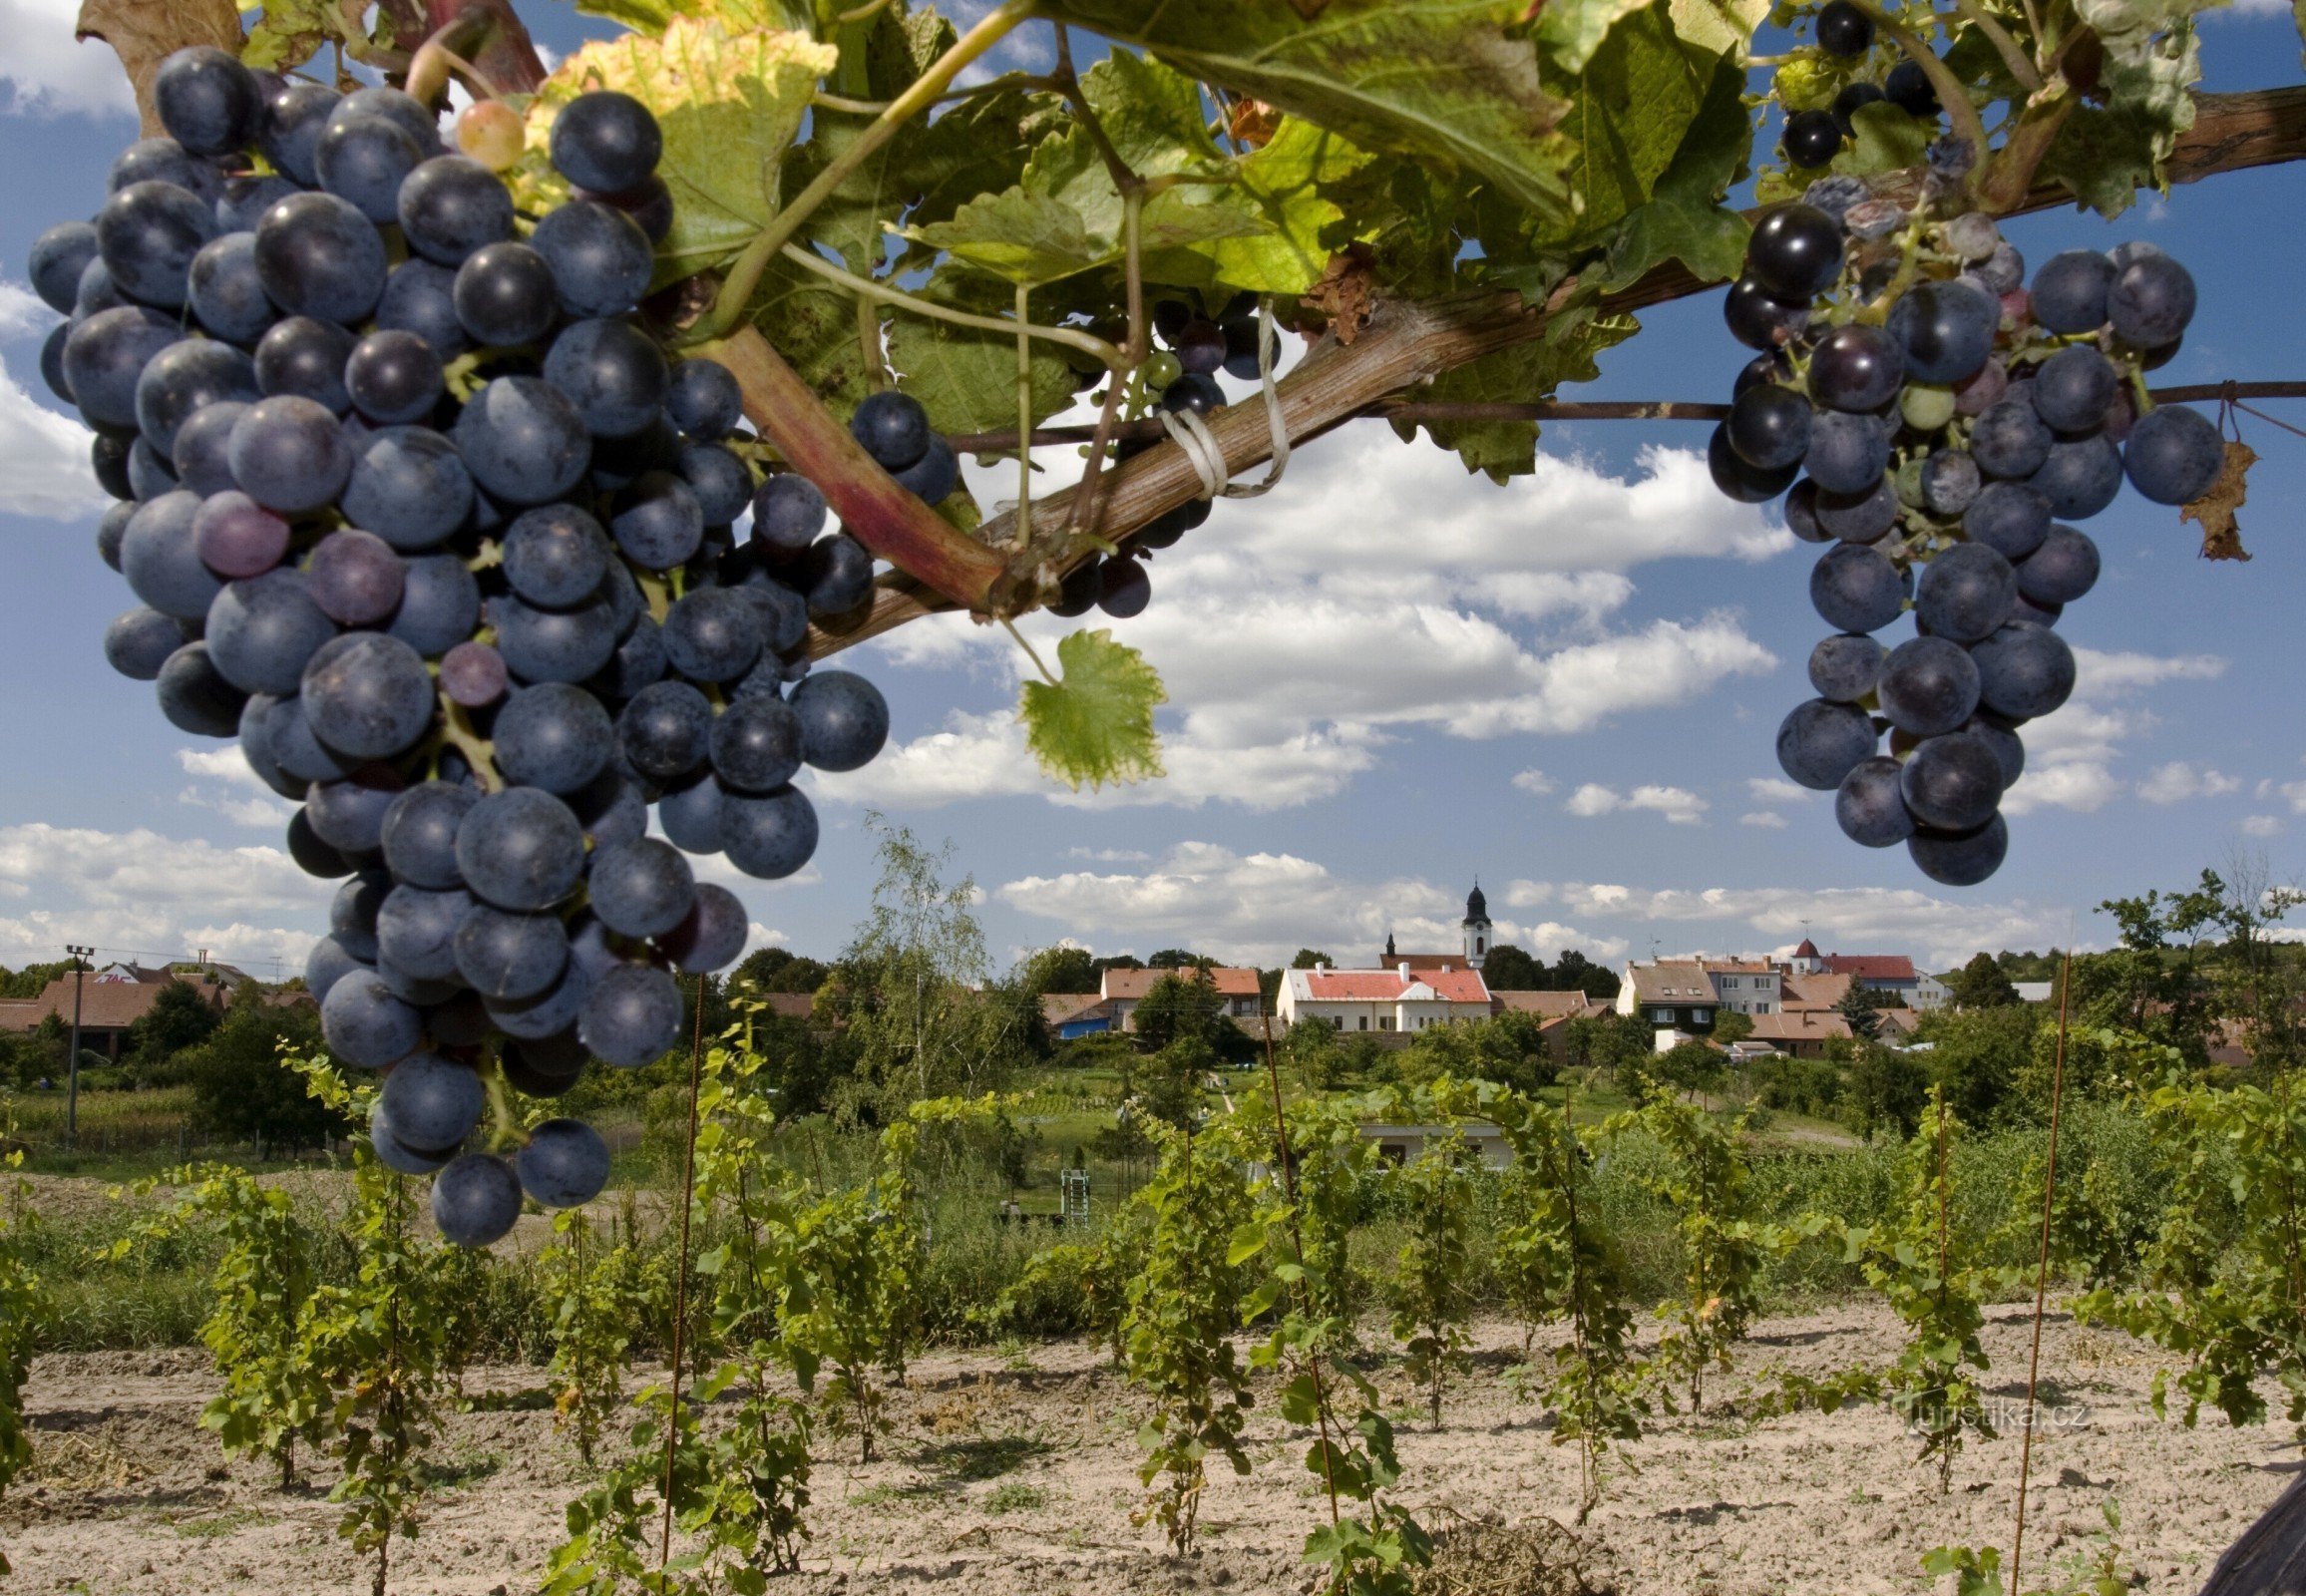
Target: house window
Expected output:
[1338,1022]
[1661,1016]
[1384,1021]
[1365,1021]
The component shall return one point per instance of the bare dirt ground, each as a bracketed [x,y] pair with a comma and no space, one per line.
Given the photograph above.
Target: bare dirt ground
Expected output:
[1016,1473]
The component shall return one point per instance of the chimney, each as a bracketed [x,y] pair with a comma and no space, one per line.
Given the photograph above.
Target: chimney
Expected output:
[1446,967]
[1320,970]
[1402,969]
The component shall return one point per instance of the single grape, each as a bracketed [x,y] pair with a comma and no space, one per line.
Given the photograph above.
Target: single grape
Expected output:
[657,521]
[1193,392]
[52,360]
[194,697]
[844,719]
[769,836]
[108,458]
[366,1025]
[139,641]
[836,576]
[755,746]
[305,359]
[1801,512]
[1858,516]
[1758,319]
[704,402]
[106,354]
[225,293]
[606,141]
[1966,592]
[1951,482]
[207,101]
[416,930]
[1159,371]
[1926,408]
[2149,301]
[2173,454]
[932,476]
[1847,453]
[666,730]
[1856,589]
[504,294]
[476,1200]
[554,737]
[367,695]
[419,834]
[2073,388]
[184,378]
[1928,686]
[160,557]
[1856,368]
[363,160]
[713,932]
[1738,480]
[642,888]
[295,115]
[1870,807]
[1822,742]
[311,855]
[2062,570]
[2081,476]
[355,578]
[712,634]
[1241,349]
[565,1163]
[2008,517]
[473,675]
[1768,426]
[1843,30]
[1125,589]
[163,160]
[408,486]
[58,258]
[298,752]
[420,297]
[490,133]
[405,110]
[1811,139]
[509,957]
[1846,667]
[326,963]
[2024,671]
[611,372]
[1908,88]
[600,258]
[554,646]
[451,206]
[721,481]
[1952,782]
[555,556]
[2070,292]
[147,235]
[1200,346]
[893,428]
[264,629]
[318,256]
[550,1013]
[522,440]
[1946,329]
[520,849]
[632,1015]
[2010,440]
[393,378]
[1960,859]
[289,454]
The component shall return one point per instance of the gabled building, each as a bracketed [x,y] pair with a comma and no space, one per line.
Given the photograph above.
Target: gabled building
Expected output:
[1744,986]
[1475,930]
[1674,997]
[1073,1014]
[1239,994]
[1893,973]
[107,1008]
[1400,1001]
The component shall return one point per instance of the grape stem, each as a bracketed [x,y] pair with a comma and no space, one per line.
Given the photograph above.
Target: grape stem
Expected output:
[2012,56]
[1951,95]
[457,731]
[867,288]
[1024,415]
[1029,655]
[745,273]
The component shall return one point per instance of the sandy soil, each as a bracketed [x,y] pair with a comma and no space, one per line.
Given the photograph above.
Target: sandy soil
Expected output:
[1018,1474]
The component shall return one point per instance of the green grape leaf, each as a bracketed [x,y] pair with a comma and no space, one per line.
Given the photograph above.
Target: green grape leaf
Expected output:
[290,32]
[1096,725]
[1291,183]
[738,16]
[1807,80]
[2105,153]
[1885,139]
[815,326]
[2298,20]
[729,106]
[1024,237]
[967,379]
[1719,25]
[1574,336]
[1570,31]
[1452,81]
[1686,219]
[1635,100]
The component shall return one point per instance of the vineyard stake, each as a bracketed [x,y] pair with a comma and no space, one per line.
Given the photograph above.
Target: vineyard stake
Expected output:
[2042,1268]
[1297,1240]
[680,1279]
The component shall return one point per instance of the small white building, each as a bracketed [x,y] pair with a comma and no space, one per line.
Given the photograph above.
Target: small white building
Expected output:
[1744,986]
[1387,1001]
[1403,1144]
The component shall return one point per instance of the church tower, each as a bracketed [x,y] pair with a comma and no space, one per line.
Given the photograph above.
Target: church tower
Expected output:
[1476,924]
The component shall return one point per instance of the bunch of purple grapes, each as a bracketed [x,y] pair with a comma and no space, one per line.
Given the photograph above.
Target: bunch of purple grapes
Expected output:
[417,509]
[1814,138]
[1945,426]
[1195,349]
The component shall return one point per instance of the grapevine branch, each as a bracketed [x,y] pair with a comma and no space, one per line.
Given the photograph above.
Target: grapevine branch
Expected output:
[1404,345]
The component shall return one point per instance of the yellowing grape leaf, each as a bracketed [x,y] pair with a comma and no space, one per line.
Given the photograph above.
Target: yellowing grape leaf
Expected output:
[2214,510]
[1096,724]
[738,16]
[729,105]
[1287,183]
[1570,31]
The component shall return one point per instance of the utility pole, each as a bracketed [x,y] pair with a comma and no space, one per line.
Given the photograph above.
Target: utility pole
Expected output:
[79,957]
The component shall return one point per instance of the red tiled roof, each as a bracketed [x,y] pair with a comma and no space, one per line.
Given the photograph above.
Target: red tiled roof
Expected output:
[1387,986]
[1815,991]
[1872,966]
[104,1005]
[1230,983]
[1802,1024]
[1457,985]
[1808,950]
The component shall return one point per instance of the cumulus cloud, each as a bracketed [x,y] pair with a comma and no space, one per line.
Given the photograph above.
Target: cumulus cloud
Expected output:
[23,312]
[143,893]
[1260,908]
[1678,805]
[1533,781]
[2071,753]
[1291,661]
[223,782]
[46,72]
[2178,780]
[2261,826]
[1773,790]
[48,475]
[1847,920]
[1768,819]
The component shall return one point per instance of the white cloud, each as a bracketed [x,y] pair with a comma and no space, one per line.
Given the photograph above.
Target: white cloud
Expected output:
[2071,754]
[48,474]
[224,783]
[1937,931]
[46,72]
[1534,781]
[2250,8]
[1260,908]
[1292,662]
[2177,781]
[1768,819]
[1678,805]
[758,935]
[23,312]
[1111,855]
[2261,826]
[1773,790]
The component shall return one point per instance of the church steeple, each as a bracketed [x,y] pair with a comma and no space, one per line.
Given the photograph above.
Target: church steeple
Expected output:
[1390,954]
[1476,926]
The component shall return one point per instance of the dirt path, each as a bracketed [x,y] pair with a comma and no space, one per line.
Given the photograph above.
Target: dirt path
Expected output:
[1018,1474]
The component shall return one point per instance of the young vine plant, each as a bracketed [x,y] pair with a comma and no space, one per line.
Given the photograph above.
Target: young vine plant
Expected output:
[23,1309]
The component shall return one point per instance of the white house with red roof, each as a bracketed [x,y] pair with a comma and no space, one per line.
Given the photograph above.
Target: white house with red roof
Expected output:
[1893,973]
[1400,1000]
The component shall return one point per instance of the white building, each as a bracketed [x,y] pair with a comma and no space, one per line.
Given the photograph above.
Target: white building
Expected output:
[1395,1000]
[1746,985]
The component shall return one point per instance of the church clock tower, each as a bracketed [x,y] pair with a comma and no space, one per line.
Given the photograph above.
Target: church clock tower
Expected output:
[1476,924]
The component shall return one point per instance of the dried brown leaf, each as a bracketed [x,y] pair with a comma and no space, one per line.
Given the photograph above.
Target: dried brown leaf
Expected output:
[1253,123]
[145,33]
[1346,291]
[2214,510]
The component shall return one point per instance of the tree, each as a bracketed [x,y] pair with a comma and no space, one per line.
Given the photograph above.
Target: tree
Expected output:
[1178,958]
[1980,984]
[1982,1056]
[1509,969]
[1309,959]
[1574,971]
[1861,1006]
[1887,1089]
[778,969]
[179,1020]
[1731,1026]
[238,1081]
[1062,969]
[1176,1006]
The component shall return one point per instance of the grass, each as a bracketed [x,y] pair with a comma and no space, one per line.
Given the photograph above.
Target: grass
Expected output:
[217,1525]
[1014,1496]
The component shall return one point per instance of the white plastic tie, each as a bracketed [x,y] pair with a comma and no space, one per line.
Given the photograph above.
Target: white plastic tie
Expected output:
[1192,434]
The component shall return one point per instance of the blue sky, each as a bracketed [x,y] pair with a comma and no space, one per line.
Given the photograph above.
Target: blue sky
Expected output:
[1387,677]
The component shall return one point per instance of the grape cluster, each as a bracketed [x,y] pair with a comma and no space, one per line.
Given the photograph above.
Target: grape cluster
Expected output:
[418,511]
[1946,422]
[1184,371]
[1814,138]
